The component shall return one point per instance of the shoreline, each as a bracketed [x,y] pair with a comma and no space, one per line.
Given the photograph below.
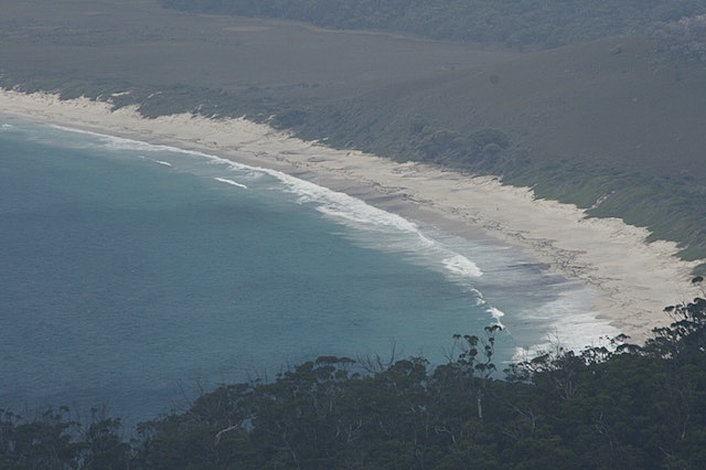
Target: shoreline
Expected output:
[631,280]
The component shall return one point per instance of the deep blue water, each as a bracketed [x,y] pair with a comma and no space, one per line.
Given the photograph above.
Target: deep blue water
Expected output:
[130,276]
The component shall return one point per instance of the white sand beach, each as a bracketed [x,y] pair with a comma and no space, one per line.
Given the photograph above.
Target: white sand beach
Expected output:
[631,280]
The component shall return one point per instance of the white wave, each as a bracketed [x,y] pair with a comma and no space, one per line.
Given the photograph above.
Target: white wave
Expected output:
[462,266]
[7,126]
[348,208]
[122,143]
[497,314]
[230,182]
[392,232]
[571,323]
[162,162]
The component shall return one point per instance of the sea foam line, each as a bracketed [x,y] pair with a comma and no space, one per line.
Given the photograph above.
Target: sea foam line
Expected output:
[230,182]
[497,314]
[400,234]
[570,327]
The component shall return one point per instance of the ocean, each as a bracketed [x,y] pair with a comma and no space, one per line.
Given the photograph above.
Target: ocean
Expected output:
[134,277]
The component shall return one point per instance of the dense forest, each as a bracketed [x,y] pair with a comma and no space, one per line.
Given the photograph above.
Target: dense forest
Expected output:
[612,406]
[533,23]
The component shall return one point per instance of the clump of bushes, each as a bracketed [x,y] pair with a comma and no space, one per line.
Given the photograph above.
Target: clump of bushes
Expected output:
[685,39]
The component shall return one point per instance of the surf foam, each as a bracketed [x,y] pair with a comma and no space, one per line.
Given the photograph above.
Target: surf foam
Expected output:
[497,314]
[230,182]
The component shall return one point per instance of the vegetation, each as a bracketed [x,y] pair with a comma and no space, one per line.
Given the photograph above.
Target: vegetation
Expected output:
[686,38]
[527,23]
[620,406]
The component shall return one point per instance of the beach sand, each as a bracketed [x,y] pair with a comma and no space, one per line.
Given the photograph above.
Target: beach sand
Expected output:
[631,280]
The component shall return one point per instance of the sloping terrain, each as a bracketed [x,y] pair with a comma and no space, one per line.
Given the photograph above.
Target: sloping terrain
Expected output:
[611,121]
[613,124]
[522,24]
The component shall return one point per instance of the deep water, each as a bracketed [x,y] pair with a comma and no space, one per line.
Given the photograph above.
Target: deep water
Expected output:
[134,276]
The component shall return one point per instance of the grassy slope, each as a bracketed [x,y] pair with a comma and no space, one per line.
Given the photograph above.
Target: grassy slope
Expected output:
[607,118]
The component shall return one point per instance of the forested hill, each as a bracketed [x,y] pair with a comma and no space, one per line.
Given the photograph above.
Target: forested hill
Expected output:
[533,23]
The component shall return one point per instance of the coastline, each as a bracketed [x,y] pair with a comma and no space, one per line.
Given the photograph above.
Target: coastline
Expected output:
[631,280]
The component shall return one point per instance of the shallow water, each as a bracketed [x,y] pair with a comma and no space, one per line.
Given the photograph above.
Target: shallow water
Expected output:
[134,275]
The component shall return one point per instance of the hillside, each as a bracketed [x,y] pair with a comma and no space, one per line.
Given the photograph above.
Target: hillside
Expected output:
[616,120]
[526,24]
[611,121]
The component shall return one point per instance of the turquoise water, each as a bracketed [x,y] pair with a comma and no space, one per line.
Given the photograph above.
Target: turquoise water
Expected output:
[133,276]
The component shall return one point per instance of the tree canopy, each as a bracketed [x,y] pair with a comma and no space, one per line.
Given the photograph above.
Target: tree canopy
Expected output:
[526,23]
